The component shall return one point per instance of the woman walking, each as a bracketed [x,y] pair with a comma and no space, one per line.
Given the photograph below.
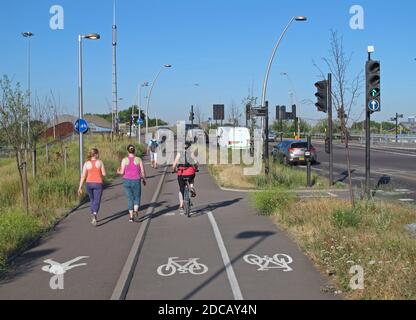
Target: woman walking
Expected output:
[133,171]
[93,173]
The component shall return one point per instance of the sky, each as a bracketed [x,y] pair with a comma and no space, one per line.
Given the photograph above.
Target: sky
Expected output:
[222,45]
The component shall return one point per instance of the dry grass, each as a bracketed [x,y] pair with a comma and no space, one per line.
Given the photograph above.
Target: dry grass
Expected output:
[231,176]
[51,193]
[372,236]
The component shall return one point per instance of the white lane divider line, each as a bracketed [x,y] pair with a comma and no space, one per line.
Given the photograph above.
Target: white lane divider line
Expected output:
[333,195]
[235,287]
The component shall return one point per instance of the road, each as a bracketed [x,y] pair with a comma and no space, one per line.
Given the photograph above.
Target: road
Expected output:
[393,171]
[224,251]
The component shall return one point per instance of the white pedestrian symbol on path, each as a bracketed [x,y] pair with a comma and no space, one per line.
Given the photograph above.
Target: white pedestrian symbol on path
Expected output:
[59,269]
[278,261]
[175,265]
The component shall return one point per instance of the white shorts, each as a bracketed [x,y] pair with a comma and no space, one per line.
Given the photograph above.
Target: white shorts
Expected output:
[153,156]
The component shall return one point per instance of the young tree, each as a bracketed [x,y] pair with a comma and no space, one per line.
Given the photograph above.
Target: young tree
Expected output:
[199,115]
[234,115]
[345,92]
[13,112]
[41,118]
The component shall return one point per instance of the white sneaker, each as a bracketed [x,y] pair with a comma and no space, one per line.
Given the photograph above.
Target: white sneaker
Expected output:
[94,220]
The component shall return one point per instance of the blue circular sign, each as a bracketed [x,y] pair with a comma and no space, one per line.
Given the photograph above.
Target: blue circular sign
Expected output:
[140,122]
[374,106]
[81,126]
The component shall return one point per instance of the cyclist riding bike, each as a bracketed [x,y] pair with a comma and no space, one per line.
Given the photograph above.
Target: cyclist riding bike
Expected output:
[186,166]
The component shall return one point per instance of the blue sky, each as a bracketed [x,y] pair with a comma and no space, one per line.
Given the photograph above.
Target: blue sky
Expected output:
[224,46]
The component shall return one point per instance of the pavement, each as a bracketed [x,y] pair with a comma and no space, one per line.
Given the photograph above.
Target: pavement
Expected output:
[223,252]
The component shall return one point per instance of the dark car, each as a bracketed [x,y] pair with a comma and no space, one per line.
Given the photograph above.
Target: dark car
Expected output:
[293,152]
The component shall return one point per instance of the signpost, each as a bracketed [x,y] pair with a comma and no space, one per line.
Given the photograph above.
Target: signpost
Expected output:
[81,126]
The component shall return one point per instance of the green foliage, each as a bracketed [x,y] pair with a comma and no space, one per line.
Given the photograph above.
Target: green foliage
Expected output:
[16,228]
[270,201]
[345,217]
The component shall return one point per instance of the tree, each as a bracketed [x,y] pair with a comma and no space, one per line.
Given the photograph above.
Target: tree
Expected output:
[13,111]
[40,118]
[345,92]
[234,115]
[199,116]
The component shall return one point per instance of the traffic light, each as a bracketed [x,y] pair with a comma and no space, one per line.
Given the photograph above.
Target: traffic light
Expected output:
[192,116]
[248,112]
[322,96]
[373,85]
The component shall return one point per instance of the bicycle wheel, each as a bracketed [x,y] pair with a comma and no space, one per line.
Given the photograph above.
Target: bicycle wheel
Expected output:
[187,202]
[198,269]
[253,259]
[283,259]
[166,270]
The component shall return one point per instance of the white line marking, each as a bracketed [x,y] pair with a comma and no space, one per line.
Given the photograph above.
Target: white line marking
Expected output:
[123,283]
[226,259]
[332,195]
[407,200]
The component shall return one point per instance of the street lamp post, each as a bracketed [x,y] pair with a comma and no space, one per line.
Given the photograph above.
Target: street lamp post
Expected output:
[92,36]
[150,95]
[145,84]
[264,92]
[28,35]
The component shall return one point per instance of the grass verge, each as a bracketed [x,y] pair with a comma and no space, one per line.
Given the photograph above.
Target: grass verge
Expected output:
[337,237]
[52,193]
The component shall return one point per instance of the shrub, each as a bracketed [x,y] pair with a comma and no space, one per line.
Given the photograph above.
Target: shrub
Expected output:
[346,218]
[271,201]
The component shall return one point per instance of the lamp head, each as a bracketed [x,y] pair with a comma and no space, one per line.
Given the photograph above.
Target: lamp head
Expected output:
[92,36]
[301,18]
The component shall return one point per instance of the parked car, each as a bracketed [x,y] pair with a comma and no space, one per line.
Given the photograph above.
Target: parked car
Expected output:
[293,152]
[272,136]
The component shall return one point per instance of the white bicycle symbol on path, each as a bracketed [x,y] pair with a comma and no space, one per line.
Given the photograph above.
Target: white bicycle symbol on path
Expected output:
[174,265]
[278,261]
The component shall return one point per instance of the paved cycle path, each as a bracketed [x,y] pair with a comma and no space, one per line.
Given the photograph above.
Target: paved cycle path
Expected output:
[107,247]
[234,249]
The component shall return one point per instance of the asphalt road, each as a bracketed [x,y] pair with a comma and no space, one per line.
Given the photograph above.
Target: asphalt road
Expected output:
[393,171]
[224,251]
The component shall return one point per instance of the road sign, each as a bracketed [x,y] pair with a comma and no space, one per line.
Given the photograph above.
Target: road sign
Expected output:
[374,106]
[81,126]
[259,112]
[140,122]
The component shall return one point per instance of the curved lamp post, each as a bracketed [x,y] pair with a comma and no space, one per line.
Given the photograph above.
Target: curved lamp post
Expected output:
[266,78]
[263,96]
[91,36]
[150,95]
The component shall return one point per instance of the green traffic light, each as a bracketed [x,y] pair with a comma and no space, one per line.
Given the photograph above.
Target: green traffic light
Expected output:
[374,92]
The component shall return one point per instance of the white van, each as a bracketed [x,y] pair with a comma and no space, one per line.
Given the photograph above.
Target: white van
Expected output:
[233,138]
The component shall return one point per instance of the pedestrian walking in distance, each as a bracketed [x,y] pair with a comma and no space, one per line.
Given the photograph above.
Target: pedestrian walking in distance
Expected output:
[152,150]
[133,171]
[93,174]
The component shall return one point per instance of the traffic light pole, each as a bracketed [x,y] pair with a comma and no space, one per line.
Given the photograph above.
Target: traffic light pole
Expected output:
[367,141]
[331,132]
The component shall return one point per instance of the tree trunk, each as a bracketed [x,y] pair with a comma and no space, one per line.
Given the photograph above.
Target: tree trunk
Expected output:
[22,168]
[347,147]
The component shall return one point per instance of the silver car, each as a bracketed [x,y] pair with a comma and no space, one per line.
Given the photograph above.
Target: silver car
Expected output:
[293,152]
